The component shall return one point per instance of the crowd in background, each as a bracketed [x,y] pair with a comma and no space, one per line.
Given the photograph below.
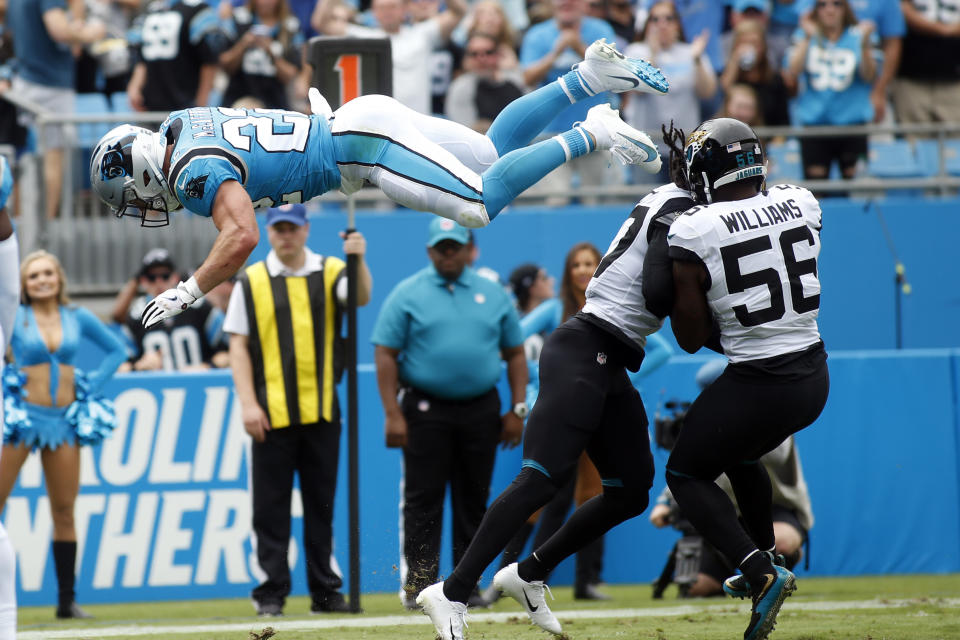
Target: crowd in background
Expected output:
[766,62]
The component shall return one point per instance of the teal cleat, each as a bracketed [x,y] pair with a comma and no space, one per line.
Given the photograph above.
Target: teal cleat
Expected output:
[767,602]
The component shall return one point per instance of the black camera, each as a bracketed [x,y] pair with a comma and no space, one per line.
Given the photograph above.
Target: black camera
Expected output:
[666,429]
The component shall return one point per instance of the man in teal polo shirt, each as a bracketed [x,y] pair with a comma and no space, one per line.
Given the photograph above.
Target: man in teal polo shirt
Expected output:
[439,340]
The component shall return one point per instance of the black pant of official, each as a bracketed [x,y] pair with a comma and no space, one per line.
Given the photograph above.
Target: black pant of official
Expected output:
[312,451]
[448,442]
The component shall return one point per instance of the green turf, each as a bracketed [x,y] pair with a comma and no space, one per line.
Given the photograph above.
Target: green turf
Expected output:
[926,617]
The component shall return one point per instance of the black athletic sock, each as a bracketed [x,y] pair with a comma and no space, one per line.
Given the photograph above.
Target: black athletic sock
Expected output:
[591,520]
[65,562]
[529,491]
[511,553]
[756,566]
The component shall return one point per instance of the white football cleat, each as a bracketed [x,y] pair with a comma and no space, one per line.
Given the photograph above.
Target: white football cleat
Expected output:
[447,616]
[318,104]
[606,69]
[629,145]
[530,595]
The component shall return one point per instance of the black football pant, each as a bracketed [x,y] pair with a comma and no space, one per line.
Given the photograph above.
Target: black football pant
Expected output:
[586,401]
[312,451]
[747,412]
[449,442]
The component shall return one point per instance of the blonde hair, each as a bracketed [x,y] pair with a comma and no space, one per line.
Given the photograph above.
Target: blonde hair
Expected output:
[506,35]
[62,298]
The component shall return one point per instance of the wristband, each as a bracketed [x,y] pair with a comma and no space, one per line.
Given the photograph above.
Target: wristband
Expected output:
[192,288]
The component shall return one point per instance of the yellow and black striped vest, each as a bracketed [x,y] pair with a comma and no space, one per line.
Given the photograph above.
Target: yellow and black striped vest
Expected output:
[295,342]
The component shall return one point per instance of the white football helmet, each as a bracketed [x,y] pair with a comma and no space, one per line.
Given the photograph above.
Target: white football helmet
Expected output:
[126,171]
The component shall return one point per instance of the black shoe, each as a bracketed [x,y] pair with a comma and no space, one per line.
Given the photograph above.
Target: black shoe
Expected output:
[71,610]
[589,592]
[492,594]
[268,609]
[476,600]
[332,603]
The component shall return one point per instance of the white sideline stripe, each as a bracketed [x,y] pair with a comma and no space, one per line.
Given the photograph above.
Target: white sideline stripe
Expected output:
[411,620]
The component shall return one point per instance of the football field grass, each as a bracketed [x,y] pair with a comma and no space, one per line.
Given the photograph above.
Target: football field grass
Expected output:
[918,607]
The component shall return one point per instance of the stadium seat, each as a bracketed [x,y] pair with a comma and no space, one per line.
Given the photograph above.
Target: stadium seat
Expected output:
[784,163]
[89,133]
[120,102]
[894,159]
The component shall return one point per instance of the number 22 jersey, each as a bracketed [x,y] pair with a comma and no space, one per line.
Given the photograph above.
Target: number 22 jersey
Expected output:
[761,258]
[278,156]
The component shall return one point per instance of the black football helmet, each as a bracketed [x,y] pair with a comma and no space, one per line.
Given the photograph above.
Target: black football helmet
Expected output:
[722,151]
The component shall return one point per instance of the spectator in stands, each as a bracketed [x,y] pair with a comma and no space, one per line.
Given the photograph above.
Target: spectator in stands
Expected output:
[927,88]
[177,44]
[741,102]
[621,16]
[488,17]
[531,285]
[445,58]
[692,78]
[105,65]
[264,56]
[191,341]
[548,51]
[696,16]
[792,512]
[890,27]
[411,44]
[834,61]
[750,63]
[45,32]
[57,407]
[483,89]
[742,11]
[440,399]
[286,354]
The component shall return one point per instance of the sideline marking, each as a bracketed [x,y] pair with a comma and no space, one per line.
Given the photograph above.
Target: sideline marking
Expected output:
[412,620]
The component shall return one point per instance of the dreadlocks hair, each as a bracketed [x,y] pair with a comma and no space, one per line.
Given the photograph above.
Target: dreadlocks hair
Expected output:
[675,139]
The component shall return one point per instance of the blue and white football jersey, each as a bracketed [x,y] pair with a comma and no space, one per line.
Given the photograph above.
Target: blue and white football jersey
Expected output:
[278,156]
[832,90]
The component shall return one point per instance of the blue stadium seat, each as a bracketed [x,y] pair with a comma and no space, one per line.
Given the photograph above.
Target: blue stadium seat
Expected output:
[784,163]
[120,102]
[928,154]
[894,159]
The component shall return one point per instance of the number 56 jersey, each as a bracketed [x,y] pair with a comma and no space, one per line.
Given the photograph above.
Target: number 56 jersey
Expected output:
[761,258]
[278,156]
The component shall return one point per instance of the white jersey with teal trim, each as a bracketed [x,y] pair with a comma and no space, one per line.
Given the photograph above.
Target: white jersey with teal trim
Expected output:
[278,156]
[615,293]
[761,257]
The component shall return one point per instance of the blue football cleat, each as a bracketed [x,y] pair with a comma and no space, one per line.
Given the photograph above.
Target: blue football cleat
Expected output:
[767,602]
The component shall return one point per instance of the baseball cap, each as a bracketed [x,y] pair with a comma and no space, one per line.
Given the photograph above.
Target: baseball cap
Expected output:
[444,229]
[295,213]
[760,5]
[158,257]
[523,277]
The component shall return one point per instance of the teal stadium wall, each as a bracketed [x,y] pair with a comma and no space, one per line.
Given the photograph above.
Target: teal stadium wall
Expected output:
[164,505]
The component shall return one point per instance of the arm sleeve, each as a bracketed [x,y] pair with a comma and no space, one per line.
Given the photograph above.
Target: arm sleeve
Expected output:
[392,323]
[543,319]
[92,328]
[197,183]
[9,286]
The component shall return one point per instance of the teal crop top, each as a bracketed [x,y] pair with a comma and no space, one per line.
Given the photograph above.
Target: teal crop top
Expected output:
[76,324]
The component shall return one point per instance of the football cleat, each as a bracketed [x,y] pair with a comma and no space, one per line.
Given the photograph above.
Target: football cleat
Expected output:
[738,587]
[767,602]
[628,145]
[530,595]
[448,617]
[606,69]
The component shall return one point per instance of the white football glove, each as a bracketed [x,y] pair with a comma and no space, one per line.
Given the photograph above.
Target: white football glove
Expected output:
[170,303]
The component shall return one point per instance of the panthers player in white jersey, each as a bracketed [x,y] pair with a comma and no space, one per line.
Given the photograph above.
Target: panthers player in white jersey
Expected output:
[744,261]
[586,402]
[224,163]
[9,300]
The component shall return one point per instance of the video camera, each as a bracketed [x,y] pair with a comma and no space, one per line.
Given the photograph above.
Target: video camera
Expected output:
[666,429]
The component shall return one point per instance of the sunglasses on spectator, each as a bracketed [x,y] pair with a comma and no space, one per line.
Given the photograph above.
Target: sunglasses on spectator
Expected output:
[831,3]
[162,275]
[667,18]
[476,53]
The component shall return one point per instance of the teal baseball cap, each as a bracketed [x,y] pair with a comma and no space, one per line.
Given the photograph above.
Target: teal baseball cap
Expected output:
[445,229]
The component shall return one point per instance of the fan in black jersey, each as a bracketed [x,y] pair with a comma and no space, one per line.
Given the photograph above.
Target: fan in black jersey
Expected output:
[745,260]
[177,44]
[192,340]
[586,402]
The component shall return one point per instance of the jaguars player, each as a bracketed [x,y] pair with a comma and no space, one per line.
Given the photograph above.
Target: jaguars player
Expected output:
[586,403]
[224,163]
[9,300]
[747,257]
